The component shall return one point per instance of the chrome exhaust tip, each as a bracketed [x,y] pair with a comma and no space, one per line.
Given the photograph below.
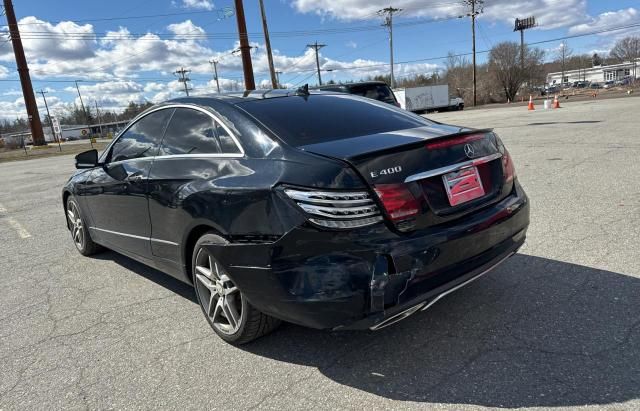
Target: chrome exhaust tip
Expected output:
[397,317]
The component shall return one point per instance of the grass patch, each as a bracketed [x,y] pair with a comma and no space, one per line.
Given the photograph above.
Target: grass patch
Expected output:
[50,150]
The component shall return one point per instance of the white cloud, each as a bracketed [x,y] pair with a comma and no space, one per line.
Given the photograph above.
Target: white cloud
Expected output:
[4,72]
[185,28]
[138,68]
[607,20]
[198,4]
[549,13]
[43,40]
[351,44]
[111,94]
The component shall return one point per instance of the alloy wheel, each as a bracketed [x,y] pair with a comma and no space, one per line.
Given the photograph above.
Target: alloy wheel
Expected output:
[220,298]
[77,228]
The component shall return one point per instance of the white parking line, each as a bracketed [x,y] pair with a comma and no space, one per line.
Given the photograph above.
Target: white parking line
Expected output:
[22,232]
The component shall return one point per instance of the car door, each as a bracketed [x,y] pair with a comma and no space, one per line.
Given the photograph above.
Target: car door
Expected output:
[119,206]
[197,150]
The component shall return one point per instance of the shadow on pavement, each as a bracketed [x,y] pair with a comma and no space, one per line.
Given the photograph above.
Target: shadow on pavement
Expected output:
[535,332]
[151,274]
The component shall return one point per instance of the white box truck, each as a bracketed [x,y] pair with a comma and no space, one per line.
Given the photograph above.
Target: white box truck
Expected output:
[427,98]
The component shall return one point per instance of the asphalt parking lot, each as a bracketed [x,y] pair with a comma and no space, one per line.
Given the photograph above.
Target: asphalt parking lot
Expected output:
[556,326]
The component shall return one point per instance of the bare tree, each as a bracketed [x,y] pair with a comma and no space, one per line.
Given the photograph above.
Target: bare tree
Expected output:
[627,49]
[504,64]
[562,54]
[458,74]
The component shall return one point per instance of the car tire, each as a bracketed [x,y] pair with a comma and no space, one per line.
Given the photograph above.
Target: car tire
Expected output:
[79,230]
[224,306]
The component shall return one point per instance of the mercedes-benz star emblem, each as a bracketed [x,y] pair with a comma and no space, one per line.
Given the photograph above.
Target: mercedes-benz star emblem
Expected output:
[469,150]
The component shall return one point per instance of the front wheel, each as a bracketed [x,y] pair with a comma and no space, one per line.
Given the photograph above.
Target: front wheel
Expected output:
[226,309]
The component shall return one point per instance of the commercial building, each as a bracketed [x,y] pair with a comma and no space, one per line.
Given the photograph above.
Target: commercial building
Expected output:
[597,74]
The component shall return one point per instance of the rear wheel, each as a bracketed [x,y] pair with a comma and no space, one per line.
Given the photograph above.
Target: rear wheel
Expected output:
[226,309]
[79,231]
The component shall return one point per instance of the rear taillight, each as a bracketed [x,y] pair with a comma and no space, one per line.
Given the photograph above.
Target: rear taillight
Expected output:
[337,209]
[399,203]
[508,167]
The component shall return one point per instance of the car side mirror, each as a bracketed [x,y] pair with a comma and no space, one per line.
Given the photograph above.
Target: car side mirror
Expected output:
[87,159]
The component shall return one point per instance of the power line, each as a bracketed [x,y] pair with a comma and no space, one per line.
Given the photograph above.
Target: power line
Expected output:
[193,35]
[555,39]
[220,12]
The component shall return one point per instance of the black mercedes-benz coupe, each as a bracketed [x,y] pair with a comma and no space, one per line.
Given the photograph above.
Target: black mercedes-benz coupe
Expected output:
[322,209]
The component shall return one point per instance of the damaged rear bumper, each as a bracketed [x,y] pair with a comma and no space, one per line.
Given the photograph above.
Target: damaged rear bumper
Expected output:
[371,277]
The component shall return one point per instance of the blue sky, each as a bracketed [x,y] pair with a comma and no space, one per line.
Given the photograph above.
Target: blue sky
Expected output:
[122,56]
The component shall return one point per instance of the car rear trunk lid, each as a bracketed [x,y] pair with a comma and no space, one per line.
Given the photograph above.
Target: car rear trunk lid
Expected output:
[427,175]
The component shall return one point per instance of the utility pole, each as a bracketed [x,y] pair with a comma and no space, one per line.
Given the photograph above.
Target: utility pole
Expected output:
[184,79]
[317,47]
[476,8]
[99,119]
[245,49]
[214,63]
[25,79]
[267,43]
[84,110]
[278,78]
[388,22]
[53,133]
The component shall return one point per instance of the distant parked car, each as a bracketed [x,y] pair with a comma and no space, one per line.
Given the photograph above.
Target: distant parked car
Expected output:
[624,81]
[609,84]
[376,90]
[582,84]
[596,85]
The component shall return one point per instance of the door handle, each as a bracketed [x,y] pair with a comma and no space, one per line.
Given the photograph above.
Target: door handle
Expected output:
[135,178]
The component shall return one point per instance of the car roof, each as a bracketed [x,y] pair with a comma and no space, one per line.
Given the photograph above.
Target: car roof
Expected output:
[359,83]
[236,97]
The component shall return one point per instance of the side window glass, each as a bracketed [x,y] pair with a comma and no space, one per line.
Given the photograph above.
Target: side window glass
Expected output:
[142,139]
[227,145]
[190,132]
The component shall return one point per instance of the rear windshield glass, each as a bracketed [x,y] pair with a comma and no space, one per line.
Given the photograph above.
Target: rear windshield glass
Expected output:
[380,92]
[315,119]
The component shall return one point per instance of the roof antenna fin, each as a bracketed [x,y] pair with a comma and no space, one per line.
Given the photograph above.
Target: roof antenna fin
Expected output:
[303,90]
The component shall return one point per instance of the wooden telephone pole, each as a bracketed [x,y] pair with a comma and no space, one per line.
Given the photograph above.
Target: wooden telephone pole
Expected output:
[267,43]
[317,47]
[476,8]
[245,49]
[388,22]
[25,79]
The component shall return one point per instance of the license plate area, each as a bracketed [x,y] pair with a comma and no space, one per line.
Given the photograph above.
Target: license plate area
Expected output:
[463,185]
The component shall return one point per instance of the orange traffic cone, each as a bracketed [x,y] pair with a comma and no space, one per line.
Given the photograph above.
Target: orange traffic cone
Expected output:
[556,102]
[531,107]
